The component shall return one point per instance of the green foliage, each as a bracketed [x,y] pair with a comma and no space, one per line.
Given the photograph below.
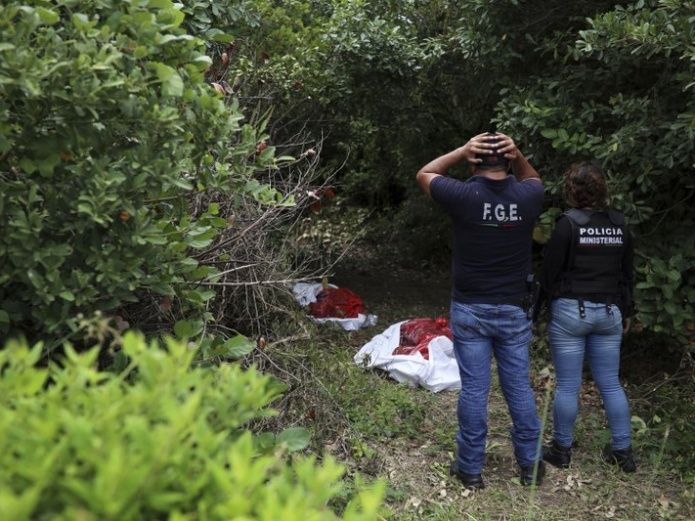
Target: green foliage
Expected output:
[623,93]
[161,439]
[211,20]
[401,82]
[106,127]
[374,410]
[332,229]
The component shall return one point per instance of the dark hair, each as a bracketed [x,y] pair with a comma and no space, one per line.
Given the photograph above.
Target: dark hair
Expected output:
[585,185]
[492,162]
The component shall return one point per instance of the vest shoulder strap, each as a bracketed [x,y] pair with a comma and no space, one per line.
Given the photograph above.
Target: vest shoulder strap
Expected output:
[577,216]
[616,217]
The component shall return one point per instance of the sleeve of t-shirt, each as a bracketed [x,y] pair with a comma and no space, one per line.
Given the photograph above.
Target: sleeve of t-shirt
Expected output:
[556,252]
[534,191]
[449,193]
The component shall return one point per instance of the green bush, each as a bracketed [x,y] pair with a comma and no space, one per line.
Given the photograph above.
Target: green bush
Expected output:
[623,91]
[162,439]
[106,128]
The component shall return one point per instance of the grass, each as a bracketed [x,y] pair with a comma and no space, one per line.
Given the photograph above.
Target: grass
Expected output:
[380,428]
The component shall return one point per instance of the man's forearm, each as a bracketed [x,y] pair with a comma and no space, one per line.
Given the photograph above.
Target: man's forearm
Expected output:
[438,167]
[522,169]
[443,163]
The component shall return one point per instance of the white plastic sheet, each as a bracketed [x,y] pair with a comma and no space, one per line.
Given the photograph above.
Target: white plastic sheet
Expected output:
[305,293]
[439,373]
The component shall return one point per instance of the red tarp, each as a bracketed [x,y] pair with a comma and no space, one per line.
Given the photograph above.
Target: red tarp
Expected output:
[416,334]
[337,303]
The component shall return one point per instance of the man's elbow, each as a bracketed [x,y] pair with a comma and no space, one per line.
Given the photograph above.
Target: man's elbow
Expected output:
[423,181]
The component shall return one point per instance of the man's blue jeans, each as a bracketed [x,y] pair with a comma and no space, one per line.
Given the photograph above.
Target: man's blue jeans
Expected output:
[479,331]
[598,334]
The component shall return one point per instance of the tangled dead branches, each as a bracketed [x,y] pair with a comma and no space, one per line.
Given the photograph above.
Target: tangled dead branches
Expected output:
[257,258]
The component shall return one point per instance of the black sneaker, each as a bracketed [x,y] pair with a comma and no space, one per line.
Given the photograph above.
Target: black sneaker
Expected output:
[557,455]
[622,458]
[526,476]
[470,481]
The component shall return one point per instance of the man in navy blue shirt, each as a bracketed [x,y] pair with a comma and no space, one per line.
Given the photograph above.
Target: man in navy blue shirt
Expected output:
[493,215]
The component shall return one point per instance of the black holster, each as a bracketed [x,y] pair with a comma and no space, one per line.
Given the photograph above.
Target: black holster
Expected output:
[533,292]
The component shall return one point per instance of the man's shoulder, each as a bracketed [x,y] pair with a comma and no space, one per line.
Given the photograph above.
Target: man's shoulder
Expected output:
[529,185]
[450,181]
[443,187]
[530,190]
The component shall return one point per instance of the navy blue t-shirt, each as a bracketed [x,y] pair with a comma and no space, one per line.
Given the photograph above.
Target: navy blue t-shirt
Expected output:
[492,226]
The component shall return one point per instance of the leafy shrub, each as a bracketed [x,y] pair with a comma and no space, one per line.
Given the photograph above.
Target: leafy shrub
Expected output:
[622,91]
[106,127]
[160,439]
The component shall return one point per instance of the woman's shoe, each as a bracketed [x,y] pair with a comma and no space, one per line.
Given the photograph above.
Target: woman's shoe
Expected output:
[557,455]
[528,477]
[623,458]
[470,481]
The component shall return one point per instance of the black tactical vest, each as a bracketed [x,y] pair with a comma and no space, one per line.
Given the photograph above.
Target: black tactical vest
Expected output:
[594,261]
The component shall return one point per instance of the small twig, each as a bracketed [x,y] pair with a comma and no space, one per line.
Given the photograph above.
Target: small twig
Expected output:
[214,275]
[253,282]
[671,379]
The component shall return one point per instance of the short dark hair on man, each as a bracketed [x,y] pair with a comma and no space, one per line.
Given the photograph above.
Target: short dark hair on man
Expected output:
[492,162]
[585,185]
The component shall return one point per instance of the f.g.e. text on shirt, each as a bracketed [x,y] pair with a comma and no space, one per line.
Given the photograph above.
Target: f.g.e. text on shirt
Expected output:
[492,234]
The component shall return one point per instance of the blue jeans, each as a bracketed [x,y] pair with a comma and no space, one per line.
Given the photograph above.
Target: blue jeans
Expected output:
[479,331]
[598,334]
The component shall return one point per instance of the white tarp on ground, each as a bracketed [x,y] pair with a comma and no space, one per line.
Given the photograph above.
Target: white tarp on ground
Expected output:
[439,373]
[305,293]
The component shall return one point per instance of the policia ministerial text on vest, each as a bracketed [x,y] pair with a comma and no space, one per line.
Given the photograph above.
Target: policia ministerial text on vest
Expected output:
[594,263]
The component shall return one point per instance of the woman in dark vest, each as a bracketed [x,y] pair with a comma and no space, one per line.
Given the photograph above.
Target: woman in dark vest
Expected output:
[588,277]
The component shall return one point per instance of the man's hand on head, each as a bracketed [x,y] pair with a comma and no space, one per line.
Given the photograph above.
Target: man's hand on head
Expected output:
[506,146]
[522,169]
[481,144]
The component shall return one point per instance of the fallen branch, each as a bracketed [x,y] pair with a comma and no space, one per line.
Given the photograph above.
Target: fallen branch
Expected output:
[253,282]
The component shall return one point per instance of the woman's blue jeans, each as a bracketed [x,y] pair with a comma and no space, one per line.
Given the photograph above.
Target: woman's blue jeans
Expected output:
[479,331]
[599,334]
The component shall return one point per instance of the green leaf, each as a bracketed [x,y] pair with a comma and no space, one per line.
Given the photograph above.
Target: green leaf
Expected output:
[674,275]
[67,295]
[185,329]
[47,16]
[27,165]
[203,60]
[35,278]
[265,441]
[238,346]
[223,38]
[296,438]
[160,4]
[172,84]
[48,164]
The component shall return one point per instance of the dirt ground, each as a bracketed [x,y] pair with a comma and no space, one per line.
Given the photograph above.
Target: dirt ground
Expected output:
[415,453]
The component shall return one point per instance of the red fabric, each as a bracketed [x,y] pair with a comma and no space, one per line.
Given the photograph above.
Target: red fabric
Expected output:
[416,334]
[337,303]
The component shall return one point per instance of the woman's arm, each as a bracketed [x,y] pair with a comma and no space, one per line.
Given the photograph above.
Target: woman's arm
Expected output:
[628,272]
[555,256]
